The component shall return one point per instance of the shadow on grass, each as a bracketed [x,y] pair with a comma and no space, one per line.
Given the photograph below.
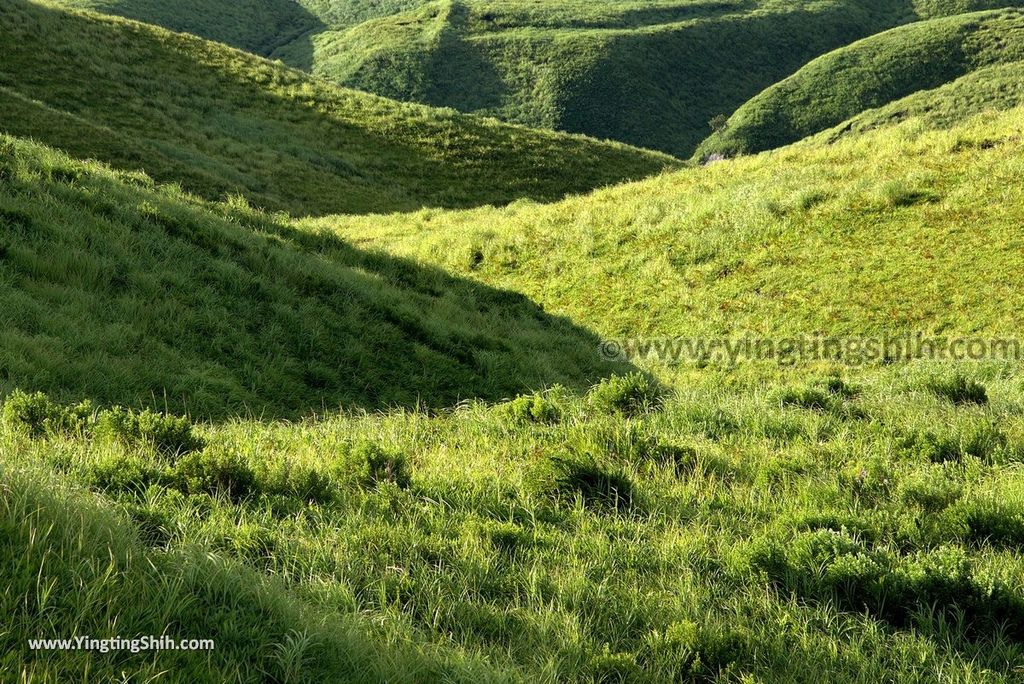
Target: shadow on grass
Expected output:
[126,294]
[221,122]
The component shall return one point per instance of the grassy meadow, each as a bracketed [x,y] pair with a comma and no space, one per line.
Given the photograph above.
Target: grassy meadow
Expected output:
[326,377]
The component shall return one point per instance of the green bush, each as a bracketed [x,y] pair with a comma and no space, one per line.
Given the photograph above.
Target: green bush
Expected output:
[118,472]
[819,395]
[615,668]
[216,470]
[170,435]
[834,567]
[561,477]
[533,408]
[41,416]
[629,395]
[297,481]
[368,465]
[959,390]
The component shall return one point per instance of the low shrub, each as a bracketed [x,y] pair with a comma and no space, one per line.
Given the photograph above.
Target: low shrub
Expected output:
[533,408]
[959,390]
[216,470]
[615,668]
[41,416]
[294,480]
[833,567]
[989,522]
[820,395]
[697,652]
[559,477]
[170,435]
[368,465]
[126,473]
[629,395]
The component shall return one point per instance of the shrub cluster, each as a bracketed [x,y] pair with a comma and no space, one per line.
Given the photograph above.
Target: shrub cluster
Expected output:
[597,485]
[959,390]
[832,566]
[628,395]
[42,417]
[369,465]
[533,408]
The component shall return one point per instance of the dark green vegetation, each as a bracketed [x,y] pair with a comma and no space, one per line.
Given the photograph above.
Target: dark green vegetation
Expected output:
[651,73]
[116,290]
[939,55]
[220,122]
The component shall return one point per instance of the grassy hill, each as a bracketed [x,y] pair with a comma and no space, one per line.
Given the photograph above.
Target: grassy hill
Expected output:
[221,122]
[121,292]
[651,73]
[878,71]
[818,522]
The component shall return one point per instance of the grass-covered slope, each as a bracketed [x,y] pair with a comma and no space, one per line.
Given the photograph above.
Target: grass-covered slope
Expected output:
[81,566]
[993,88]
[257,26]
[877,71]
[816,523]
[222,122]
[121,292]
[651,74]
[897,230]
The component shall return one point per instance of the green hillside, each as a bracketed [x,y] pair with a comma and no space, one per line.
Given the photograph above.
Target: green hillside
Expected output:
[651,73]
[815,522]
[366,391]
[221,122]
[997,88]
[120,292]
[881,70]
[770,244]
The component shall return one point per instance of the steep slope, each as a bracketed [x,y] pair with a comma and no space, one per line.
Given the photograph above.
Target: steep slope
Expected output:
[873,73]
[257,26]
[993,88]
[125,293]
[651,74]
[222,122]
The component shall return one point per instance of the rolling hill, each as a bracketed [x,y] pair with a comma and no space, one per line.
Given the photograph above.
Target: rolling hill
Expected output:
[940,54]
[221,122]
[819,521]
[651,73]
[122,292]
[432,443]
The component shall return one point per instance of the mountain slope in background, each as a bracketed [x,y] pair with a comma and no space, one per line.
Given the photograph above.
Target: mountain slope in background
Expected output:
[648,73]
[878,71]
[902,229]
[222,122]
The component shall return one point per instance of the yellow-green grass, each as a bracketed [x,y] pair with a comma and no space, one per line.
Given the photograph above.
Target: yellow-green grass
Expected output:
[900,230]
[222,122]
[803,524]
